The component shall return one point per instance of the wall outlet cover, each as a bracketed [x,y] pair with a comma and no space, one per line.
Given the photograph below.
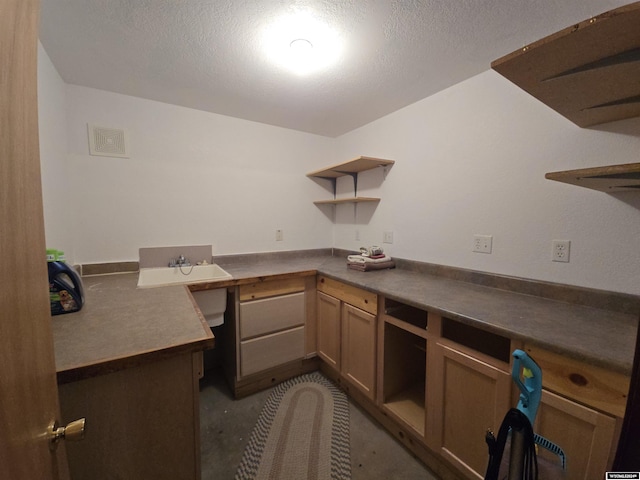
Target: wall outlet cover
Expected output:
[560,250]
[482,243]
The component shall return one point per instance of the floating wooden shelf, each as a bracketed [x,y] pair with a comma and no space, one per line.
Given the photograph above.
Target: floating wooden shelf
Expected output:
[339,201]
[587,72]
[351,168]
[613,178]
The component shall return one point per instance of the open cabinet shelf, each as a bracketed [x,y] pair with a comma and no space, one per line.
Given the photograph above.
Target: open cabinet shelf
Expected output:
[612,178]
[587,72]
[351,168]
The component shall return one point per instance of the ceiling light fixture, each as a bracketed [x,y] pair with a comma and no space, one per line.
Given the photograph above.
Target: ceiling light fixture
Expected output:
[301,43]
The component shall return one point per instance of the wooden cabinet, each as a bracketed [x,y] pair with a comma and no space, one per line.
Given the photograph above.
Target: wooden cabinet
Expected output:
[438,384]
[581,409]
[403,365]
[468,392]
[271,325]
[347,332]
[467,397]
[271,332]
[142,421]
[585,435]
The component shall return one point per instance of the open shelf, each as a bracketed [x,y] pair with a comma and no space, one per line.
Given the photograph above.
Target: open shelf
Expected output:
[612,178]
[357,165]
[587,72]
[351,168]
[338,201]
[408,405]
[404,375]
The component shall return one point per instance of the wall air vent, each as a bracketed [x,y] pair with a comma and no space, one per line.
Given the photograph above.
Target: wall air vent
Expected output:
[107,142]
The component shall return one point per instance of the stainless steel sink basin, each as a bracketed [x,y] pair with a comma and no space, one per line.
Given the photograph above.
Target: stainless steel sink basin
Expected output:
[163,276]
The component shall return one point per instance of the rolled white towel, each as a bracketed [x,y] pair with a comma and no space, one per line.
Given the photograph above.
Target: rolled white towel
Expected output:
[361,259]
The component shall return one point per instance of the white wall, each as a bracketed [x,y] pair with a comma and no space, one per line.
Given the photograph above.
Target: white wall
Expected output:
[59,204]
[471,160]
[193,178]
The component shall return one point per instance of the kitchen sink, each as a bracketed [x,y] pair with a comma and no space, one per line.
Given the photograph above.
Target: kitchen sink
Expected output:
[164,276]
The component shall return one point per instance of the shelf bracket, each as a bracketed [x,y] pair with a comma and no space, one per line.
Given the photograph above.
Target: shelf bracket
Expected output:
[353,175]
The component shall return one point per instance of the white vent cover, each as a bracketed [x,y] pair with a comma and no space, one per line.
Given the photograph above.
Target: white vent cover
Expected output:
[107,142]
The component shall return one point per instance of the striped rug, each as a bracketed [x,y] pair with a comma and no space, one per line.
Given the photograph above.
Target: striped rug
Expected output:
[302,433]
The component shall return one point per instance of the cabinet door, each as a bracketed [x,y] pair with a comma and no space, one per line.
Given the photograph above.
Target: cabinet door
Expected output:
[329,329]
[466,397]
[359,348]
[584,434]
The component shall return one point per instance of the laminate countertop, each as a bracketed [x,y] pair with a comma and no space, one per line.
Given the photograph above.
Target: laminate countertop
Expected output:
[121,325]
[595,336]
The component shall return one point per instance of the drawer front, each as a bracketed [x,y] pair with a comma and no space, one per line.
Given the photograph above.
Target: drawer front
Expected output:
[271,288]
[587,384]
[271,315]
[357,297]
[271,350]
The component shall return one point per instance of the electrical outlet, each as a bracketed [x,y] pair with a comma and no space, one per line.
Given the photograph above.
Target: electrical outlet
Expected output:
[357,235]
[387,237]
[482,243]
[279,235]
[560,250]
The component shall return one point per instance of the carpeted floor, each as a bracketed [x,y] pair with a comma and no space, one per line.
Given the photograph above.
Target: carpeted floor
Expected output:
[226,426]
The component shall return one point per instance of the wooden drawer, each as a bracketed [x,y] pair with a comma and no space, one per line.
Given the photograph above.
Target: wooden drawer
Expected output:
[271,288]
[357,297]
[271,315]
[593,386]
[271,350]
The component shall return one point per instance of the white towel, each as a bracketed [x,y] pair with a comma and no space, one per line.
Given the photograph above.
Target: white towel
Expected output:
[361,259]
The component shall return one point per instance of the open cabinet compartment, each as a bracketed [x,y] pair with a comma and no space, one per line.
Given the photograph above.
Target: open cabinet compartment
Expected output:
[404,375]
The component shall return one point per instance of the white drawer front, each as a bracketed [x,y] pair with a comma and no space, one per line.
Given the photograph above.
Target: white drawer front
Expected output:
[271,350]
[268,315]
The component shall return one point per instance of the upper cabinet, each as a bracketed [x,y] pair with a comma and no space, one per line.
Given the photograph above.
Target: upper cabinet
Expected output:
[351,168]
[587,72]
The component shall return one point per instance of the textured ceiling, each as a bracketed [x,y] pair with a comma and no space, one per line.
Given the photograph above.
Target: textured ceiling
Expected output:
[205,54]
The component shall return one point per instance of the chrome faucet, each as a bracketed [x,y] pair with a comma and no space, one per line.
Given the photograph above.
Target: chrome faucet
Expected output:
[180,262]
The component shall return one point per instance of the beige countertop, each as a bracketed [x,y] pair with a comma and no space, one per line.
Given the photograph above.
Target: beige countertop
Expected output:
[120,325]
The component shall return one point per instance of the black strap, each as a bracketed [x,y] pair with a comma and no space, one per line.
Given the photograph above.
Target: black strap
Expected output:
[513,420]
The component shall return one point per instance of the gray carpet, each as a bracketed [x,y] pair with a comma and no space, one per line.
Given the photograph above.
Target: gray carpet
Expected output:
[302,432]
